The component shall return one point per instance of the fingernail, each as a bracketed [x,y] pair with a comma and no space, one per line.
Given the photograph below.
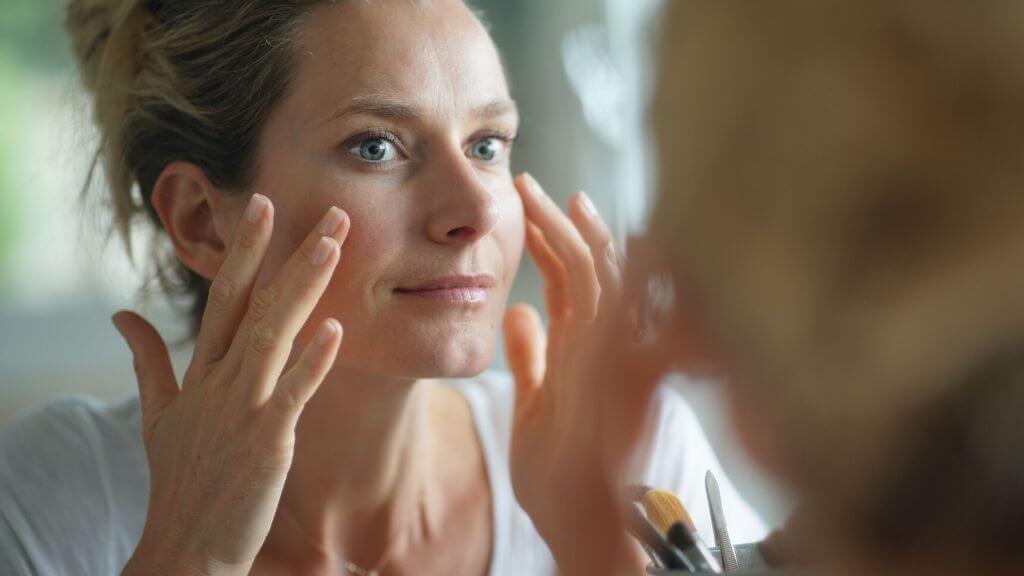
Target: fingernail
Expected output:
[257,204]
[588,205]
[326,332]
[331,222]
[322,251]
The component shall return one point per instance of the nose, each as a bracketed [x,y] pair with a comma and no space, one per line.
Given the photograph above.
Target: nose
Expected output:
[466,210]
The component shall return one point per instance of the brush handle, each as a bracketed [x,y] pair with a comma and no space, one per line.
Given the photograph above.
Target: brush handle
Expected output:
[657,547]
[693,549]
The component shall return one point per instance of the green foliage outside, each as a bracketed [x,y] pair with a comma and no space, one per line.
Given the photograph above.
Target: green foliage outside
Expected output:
[9,202]
[32,43]
[32,34]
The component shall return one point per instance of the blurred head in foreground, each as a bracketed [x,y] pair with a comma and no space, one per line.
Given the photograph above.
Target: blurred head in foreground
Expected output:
[842,211]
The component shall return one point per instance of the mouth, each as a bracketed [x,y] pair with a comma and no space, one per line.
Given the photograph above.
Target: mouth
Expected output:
[459,290]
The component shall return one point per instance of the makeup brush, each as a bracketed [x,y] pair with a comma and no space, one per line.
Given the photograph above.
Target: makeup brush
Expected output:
[693,548]
[664,509]
[654,542]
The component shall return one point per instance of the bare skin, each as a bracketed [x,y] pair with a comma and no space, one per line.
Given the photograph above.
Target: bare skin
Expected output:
[384,170]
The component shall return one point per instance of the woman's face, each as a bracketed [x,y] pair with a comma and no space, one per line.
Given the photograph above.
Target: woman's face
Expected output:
[400,115]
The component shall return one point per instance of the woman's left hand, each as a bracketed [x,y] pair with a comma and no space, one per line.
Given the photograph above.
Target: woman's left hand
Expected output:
[583,388]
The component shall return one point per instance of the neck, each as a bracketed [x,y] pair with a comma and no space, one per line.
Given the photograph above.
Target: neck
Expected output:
[361,478]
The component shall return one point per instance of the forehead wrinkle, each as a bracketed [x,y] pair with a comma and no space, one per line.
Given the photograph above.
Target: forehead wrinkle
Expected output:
[497,109]
[388,107]
[434,51]
[379,105]
[441,83]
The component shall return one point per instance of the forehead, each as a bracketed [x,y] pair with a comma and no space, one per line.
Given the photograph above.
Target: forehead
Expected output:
[430,55]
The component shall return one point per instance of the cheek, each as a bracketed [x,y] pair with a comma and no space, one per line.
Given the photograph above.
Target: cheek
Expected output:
[510,232]
[311,191]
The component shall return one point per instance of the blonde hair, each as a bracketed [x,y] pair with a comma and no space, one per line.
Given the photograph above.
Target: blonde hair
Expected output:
[842,189]
[188,80]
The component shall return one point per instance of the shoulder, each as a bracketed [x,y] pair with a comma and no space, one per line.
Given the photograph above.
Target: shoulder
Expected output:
[73,485]
[72,433]
[75,412]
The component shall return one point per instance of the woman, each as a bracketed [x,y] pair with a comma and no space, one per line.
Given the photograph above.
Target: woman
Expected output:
[841,214]
[317,165]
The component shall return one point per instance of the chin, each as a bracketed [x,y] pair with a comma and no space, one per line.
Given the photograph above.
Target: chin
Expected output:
[462,356]
[445,350]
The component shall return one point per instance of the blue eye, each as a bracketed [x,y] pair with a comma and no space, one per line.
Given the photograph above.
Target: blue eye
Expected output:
[487,149]
[375,150]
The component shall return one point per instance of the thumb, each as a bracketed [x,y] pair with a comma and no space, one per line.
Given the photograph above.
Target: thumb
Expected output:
[153,369]
[525,349]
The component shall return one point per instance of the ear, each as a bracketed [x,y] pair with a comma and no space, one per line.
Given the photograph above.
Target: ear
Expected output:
[194,214]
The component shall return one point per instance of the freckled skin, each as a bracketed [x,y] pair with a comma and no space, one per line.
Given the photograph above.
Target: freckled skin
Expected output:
[434,211]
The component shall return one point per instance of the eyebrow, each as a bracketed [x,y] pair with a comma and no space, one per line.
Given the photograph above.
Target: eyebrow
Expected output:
[396,109]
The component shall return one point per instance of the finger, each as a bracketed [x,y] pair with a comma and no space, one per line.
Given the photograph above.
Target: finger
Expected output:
[303,380]
[335,225]
[555,278]
[525,349]
[636,286]
[556,287]
[153,369]
[566,242]
[231,287]
[599,239]
[271,340]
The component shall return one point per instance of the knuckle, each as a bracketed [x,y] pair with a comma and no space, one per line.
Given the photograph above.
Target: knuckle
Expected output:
[263,340]
[247,240]
[223,291]
[305,250]
[263,301]
[269,456]
[286,398]
[215,347]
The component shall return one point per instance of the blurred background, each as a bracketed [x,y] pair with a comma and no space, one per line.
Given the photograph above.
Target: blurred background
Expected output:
[578,69]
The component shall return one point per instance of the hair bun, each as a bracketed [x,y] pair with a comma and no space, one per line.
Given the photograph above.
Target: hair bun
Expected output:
[104,36]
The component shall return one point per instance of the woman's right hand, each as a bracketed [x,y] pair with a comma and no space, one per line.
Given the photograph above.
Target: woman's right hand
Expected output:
[220,448]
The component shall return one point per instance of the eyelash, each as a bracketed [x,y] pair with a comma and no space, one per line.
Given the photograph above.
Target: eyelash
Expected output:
[508,139]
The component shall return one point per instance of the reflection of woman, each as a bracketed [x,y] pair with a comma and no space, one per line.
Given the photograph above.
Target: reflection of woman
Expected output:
[841,213]
[241,119]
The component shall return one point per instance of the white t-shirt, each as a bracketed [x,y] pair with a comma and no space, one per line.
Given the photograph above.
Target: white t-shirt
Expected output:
[74,483]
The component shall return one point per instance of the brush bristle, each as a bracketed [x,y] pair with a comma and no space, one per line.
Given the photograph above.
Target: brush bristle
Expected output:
[664,509]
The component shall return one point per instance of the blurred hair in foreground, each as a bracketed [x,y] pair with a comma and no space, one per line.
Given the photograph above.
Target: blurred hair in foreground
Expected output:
[842,204]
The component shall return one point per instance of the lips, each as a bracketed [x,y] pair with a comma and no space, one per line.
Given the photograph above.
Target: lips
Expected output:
[461,281]
[461,289]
